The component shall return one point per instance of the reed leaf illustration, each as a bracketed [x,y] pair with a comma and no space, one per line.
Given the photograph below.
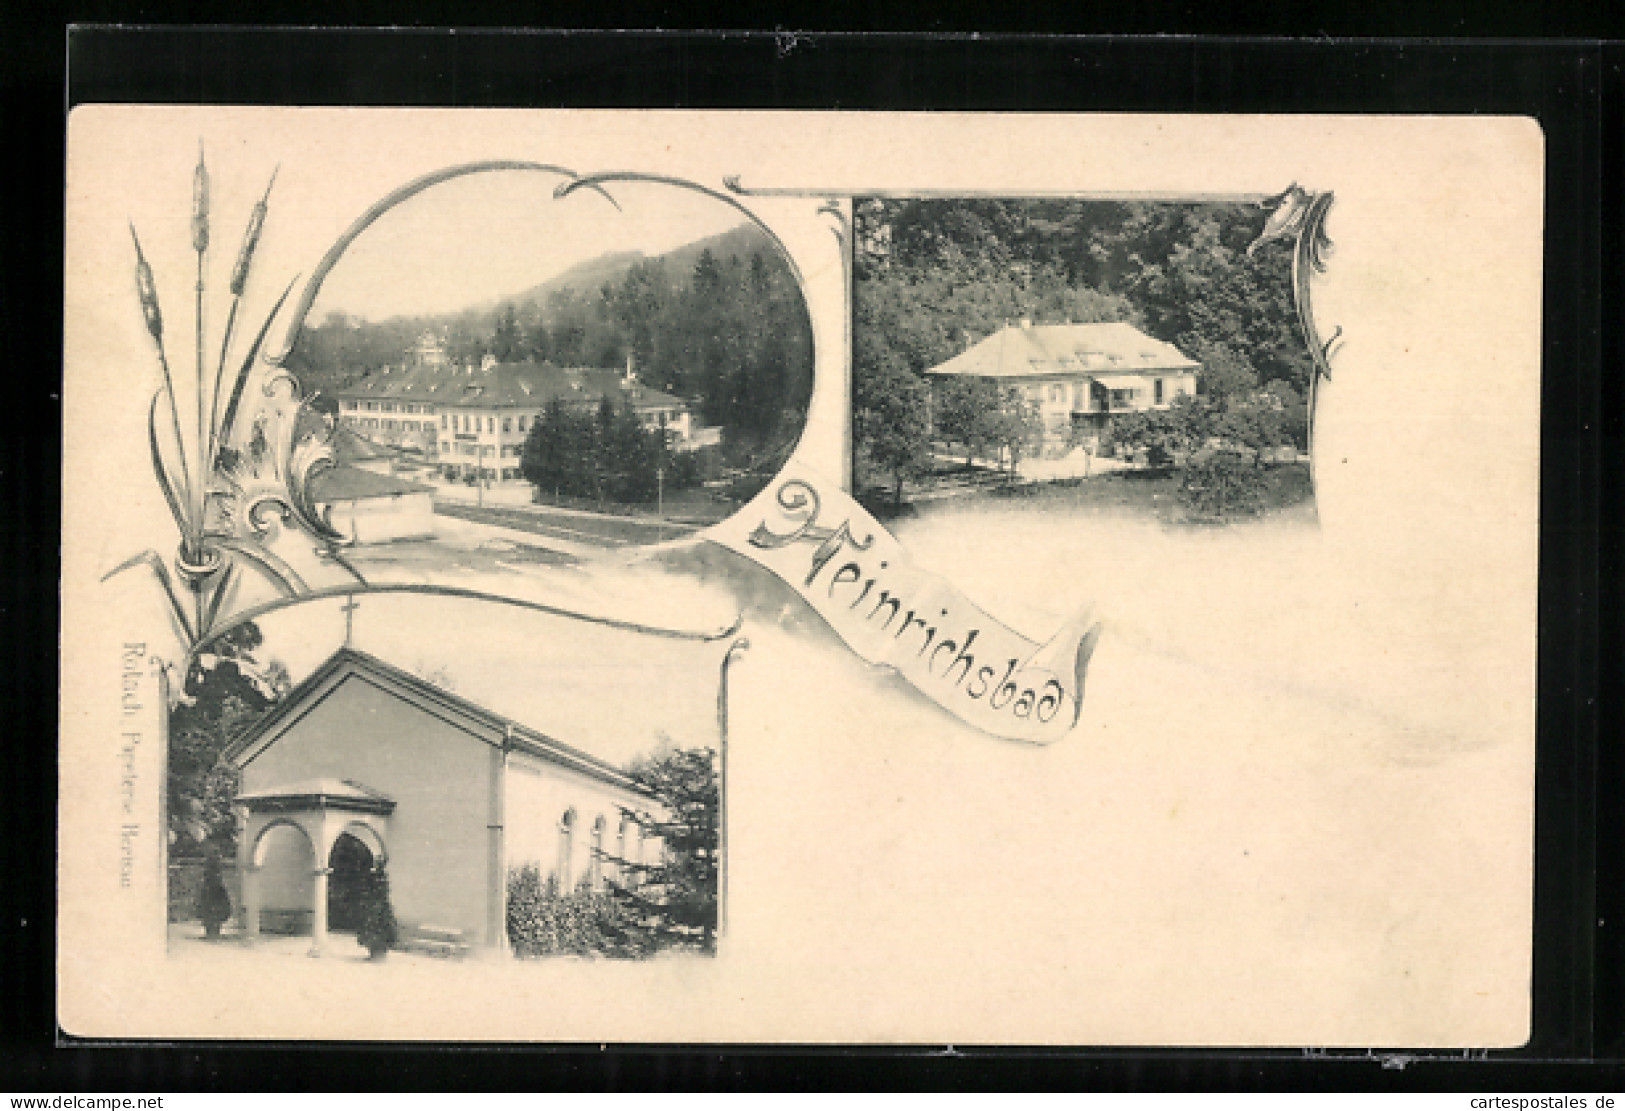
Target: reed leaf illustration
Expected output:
[151,559]
[239,281]
[222,587]
[229,419]
[273,565]
[161,469]
[147,291]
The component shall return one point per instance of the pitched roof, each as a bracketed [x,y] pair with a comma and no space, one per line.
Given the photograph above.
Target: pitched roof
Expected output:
[491,727]
[506,385]
[346,483]
[349,446]
[339,794]
[1041,350]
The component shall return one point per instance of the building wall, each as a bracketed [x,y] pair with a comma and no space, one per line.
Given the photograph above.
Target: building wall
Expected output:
[438,775]
[286,883]
[538,796]
[493,440]
[1057,398]
[382,519]
[467,438]
[402,423]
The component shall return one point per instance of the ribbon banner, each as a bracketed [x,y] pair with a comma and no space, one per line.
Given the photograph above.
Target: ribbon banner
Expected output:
[860,579]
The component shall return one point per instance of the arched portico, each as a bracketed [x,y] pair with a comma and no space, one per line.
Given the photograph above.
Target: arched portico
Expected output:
[322,810]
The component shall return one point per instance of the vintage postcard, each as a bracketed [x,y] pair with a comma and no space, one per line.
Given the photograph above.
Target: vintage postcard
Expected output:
[573,576]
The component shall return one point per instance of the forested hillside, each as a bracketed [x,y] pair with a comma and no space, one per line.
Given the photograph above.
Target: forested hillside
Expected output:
[719,321]
[935,276]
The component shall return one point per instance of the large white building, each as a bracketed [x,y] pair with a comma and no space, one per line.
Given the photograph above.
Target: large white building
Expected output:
[473,420]
[1077,375]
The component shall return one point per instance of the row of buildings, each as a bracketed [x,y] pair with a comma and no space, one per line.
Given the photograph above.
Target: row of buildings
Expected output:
[471,421]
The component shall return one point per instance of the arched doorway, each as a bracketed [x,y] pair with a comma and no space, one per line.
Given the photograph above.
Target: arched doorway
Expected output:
[352,863]
[285,860]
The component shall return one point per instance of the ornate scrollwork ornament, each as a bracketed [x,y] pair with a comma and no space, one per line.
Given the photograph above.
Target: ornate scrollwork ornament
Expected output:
[240,478]
[1300,216]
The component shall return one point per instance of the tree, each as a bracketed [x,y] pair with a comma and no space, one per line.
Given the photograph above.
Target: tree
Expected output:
[928,270]
[1014,425]
[673,902]
[890,424]
[1294,413]
[1165,435]
[213,900]
[606,454]
[1222,483]
[506,343]
[1225,373]
[964,411]
[377,931]
[224,692]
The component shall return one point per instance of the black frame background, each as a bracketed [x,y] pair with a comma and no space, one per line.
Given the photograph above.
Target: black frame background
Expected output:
[1573,89]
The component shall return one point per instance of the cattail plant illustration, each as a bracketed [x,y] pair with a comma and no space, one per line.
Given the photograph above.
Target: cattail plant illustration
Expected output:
[225,505]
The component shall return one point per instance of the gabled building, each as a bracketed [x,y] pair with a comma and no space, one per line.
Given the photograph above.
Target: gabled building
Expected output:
[363,763]
[1077,375]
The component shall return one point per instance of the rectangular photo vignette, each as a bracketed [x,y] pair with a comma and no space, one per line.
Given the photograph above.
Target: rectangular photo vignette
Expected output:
[1281,725]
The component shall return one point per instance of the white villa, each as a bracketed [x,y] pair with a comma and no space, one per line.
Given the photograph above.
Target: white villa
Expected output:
[1077,375]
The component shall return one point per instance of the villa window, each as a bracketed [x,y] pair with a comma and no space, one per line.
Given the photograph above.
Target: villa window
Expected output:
[1158,391]
[507,424]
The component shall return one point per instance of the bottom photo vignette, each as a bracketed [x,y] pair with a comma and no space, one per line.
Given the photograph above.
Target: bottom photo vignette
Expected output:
[394,790]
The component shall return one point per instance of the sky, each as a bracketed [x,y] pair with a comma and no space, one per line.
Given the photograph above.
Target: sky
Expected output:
[604,691]
[475,239]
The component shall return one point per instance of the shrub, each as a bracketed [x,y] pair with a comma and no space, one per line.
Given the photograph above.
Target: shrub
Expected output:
[377,931]
[213,901]
[543,922]
[1222,483]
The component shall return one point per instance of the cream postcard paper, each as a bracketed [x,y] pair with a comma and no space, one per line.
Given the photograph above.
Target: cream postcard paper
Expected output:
[1261,782]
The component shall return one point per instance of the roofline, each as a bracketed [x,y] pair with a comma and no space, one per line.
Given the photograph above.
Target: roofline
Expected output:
[509,734]
[1098,372]
[1187,364]
[314,800]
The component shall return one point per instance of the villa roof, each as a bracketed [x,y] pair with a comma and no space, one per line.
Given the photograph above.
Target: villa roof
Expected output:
[526,385]
[473,718]
[1048,350]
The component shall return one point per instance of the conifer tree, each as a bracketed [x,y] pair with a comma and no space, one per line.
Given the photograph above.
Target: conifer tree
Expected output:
[378,930]
[213,901]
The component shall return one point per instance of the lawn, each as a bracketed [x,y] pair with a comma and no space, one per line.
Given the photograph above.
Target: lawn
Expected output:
[1145,493]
